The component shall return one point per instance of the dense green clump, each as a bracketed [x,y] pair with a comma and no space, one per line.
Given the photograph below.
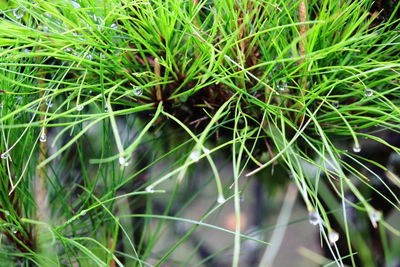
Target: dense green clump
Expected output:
[108,106]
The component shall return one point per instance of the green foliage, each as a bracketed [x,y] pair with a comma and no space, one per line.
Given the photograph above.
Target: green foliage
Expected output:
[128,96]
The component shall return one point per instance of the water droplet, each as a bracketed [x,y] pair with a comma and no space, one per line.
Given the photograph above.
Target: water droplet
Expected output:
[6,213]
[79,107]
[94,17]
[68,49]
[333,237]
[195,155]
[376,216]
[356,148]
[150,189]
[48,15]
[282,86]
[335,104]
[206,150]
[43,137]
[48,103]
[83,212]
[75,5]
[123,161]
[314,218]
[14,230]
[5,155]
[137,91]
[89,56]
[114,26]
[106,109]
[221,199]
[369,92]
[19,12]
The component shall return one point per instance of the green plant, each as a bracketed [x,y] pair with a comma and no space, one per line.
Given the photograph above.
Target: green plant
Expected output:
[104,103]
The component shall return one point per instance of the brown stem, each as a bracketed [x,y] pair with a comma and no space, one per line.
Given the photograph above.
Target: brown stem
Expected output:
[302,30]
[157,68]
[111,247]
[302,49]
[41,192]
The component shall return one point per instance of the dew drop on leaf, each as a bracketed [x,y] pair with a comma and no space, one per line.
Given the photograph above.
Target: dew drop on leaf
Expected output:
[206,150]
[376,216]
[48,15]
[282,86]
[356,148]
[195,155]
[75,5]
[114,26]
[314,218]
[48,103]
[150,189]
[221,199]
[368,92]
[333,237]
[137,91]
[123,161]
[43,137]
[45,29]
[19,12]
